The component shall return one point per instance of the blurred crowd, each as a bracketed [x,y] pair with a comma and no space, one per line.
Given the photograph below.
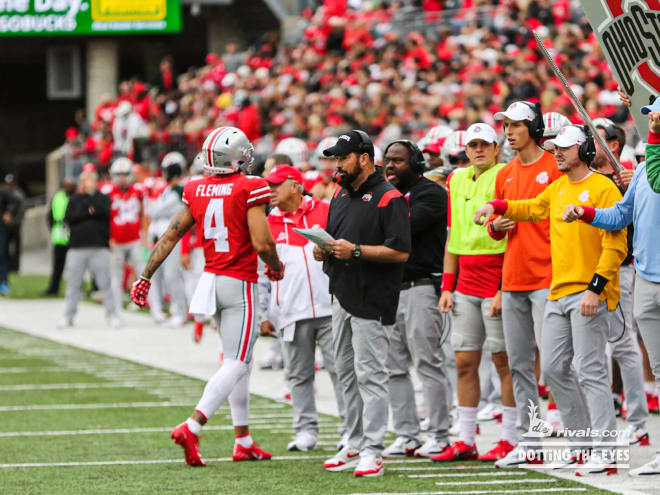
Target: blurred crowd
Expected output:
[393,69]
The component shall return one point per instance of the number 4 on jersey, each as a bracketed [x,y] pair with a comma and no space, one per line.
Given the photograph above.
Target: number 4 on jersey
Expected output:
[214,225]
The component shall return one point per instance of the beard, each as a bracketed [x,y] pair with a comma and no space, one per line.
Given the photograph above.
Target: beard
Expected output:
[344,178]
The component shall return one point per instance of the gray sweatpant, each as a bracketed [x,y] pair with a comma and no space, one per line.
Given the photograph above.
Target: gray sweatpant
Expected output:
[299,370]
[522,317]
[567,335]
[625,349]
[647,314]
[97,260]
[417,339]
[131,252]
[361,347]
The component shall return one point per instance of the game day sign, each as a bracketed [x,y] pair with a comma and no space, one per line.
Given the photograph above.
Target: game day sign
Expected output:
[629,33]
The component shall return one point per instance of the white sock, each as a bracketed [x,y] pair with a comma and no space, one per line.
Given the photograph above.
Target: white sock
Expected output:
[239,400]
[553,416]
[650,388]
[194,426]
[220,386]
[509,416]
[467,423]
[244,441]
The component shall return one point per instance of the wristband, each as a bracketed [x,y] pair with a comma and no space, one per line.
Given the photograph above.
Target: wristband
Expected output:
[597,284]
[500,206]
[448,282]
[588,215]
[142,277]
[654,137]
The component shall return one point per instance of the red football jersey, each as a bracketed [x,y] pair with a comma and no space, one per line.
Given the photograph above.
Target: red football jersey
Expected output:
[219,204]
[125,224]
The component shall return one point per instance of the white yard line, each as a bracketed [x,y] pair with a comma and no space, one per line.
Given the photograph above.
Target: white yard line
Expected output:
[143,461]
[115,405]
[442,468]
[494,482]
[484,492]
[470,475]
[79,386]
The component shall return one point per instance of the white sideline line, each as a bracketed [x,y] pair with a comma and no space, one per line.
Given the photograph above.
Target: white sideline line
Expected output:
[469,475]
[115,405]
[150,461]
[495,482]
[484,492]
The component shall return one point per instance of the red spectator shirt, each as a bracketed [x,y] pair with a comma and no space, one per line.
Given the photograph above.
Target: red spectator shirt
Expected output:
[219,203]
[125,221]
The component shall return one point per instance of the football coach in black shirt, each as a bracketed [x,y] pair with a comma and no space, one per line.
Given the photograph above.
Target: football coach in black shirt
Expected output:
[418,332]
[369,220]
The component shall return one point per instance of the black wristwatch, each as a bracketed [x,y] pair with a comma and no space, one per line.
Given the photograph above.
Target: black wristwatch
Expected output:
[357,252]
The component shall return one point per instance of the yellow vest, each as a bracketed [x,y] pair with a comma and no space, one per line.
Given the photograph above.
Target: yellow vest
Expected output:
[467,196]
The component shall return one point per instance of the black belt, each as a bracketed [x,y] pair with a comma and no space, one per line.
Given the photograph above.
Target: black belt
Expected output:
[415,283]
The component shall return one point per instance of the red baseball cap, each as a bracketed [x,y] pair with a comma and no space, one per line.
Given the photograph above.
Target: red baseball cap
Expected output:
[436,146]
[280,173]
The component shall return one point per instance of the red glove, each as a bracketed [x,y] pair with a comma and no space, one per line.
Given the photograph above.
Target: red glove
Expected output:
[139,291]
[275,275]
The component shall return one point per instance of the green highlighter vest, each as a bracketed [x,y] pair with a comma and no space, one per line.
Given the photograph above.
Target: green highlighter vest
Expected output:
[59,233]
[467,196]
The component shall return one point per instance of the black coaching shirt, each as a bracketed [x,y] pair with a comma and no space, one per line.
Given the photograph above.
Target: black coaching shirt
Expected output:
[428,229]
[374,215]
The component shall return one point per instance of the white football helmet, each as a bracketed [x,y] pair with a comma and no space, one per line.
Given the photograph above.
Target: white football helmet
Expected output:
[197,165]
[554,122]
[378,155]
[121,165]
[174,158]
[324,144]
[227,150]
[294,148]
[433,134]
[453,146]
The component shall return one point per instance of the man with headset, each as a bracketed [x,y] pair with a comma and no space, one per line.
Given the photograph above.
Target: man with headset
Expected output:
[369,221]
[585,286]
[420,326]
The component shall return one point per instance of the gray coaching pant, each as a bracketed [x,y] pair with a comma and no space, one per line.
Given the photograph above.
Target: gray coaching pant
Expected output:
[120,253]
[417,338]
[567,335]
[97,260]
[522,317]
[625,349]
[361,347]
[299,370]
[647,314]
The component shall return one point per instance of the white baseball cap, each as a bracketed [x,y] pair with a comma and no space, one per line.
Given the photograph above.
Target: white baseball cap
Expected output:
[517,111]
[480,131]
[568,136]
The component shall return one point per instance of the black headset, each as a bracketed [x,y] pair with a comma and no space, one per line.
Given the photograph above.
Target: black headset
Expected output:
[587,150]
[417,161]
[365,145]
[536,126]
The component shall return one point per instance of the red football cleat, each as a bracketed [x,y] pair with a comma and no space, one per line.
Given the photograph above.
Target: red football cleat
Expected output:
[190,444]
[502,448]
[543,391]
[457,451]
[251,453]
[652,403]
[197,333]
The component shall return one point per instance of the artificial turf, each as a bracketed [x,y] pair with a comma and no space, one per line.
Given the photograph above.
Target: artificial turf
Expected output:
[84,435]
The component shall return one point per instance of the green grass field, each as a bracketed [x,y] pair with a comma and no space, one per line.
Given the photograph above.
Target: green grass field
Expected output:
[78,422]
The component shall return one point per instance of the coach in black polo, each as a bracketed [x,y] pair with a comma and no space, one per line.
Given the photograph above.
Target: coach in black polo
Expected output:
[369,220]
